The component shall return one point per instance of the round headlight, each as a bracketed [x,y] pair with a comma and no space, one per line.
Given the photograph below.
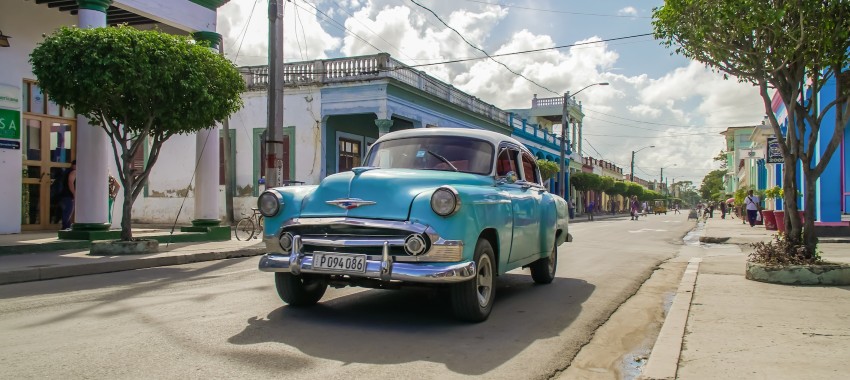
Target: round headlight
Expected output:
[269,203]
[445,201]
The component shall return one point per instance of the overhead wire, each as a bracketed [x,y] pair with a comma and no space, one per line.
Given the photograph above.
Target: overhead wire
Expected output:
[482,50]
[348,31]
[303,34]
[555,11]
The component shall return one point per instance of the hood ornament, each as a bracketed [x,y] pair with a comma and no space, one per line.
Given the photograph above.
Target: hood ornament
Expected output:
[349,203]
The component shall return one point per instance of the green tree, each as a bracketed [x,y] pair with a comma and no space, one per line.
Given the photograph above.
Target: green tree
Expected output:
[712,184]
[793,48]
[634,190]
[138,86]
[548,169]
[606,184]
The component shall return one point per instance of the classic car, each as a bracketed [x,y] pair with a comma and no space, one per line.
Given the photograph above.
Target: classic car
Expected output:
[446,207]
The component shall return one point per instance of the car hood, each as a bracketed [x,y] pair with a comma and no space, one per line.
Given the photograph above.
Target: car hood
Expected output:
[391,190]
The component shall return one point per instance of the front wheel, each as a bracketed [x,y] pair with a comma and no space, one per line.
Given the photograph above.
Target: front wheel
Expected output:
[543,270]
[473,300]
[303,290]
[244,229]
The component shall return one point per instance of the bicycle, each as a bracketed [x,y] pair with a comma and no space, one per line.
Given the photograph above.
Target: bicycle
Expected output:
[250,226]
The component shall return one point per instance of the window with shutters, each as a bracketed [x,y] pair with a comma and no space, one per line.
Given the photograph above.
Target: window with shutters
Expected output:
[137,166]
[349,154]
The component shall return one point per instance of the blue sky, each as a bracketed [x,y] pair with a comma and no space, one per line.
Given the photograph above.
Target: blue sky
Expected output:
[654,98]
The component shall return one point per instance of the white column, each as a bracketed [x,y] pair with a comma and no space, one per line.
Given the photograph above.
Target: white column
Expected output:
[206,177]
[580,139]
[207,157]
[93,154]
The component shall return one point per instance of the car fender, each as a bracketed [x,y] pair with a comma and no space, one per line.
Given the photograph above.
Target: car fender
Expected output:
[481,209]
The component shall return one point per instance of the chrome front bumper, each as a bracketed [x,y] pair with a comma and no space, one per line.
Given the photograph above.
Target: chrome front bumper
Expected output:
[385,269]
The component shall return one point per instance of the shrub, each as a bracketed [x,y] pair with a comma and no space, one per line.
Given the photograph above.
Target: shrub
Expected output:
[782,252]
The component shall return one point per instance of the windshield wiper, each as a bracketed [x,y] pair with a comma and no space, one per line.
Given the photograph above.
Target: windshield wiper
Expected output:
[443,159]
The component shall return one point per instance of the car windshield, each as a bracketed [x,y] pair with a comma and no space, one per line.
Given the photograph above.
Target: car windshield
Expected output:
[451,153]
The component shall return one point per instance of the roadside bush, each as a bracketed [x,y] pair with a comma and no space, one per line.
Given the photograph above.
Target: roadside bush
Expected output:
[781,252]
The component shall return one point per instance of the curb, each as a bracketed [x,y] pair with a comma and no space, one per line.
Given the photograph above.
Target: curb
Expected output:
[664,359]
[49,273]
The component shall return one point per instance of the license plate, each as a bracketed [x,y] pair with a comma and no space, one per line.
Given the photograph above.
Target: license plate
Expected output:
[339,263]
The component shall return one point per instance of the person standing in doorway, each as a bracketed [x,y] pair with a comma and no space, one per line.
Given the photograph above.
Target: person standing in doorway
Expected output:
[114,186]
[751,202]
[68,194]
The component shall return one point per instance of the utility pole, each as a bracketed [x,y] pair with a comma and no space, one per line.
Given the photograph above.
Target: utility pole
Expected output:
[274,143]
[632,172]
[564,122]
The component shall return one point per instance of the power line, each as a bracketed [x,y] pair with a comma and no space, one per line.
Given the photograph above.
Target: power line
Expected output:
[372,31]
[303,34]
[244,30]
[339,25]
[527,51]
[555,11]
[482,50]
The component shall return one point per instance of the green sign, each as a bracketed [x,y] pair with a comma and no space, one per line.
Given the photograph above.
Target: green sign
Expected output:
[10,124]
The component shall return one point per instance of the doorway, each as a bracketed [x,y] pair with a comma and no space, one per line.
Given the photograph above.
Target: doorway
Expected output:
[48,145]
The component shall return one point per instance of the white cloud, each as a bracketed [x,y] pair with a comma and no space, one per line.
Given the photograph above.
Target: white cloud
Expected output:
[679,112]
[628,11]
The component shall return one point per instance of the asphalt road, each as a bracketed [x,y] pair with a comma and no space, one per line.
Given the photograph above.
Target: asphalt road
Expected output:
[223,319]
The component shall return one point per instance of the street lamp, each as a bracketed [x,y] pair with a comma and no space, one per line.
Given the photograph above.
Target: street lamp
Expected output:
[564,121]
[632,174]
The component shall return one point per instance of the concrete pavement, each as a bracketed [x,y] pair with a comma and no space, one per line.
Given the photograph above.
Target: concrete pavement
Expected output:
[721,325]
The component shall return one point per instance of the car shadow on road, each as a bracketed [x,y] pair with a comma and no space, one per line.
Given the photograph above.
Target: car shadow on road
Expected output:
[402,326]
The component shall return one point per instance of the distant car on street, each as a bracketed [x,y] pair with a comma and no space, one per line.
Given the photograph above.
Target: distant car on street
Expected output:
[446,207]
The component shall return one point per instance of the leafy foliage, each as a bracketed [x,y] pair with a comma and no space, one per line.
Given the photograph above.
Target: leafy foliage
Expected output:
[548,169]
[619,188]
[606,184]
[138,86]
[788,48]
[585,181]
[712,184]
[634,189]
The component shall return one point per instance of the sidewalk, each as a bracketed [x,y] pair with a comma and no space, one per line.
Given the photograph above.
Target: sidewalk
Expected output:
[33,256]
[722,325]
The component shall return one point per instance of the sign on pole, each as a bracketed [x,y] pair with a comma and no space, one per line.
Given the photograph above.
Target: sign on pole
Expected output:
[774,153]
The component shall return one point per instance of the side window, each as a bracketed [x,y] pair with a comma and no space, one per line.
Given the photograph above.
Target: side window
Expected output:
[529,168]
[507,162]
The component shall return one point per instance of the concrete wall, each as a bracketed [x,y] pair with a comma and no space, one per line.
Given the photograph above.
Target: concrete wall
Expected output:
[25,22]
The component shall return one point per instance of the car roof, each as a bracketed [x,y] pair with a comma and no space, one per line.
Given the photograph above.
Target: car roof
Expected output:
[493,137]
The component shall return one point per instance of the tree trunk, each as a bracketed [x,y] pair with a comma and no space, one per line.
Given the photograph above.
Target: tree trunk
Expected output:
[810,239]
[793,229]
[127,206]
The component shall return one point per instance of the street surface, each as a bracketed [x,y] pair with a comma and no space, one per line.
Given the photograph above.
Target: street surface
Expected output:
[223,319]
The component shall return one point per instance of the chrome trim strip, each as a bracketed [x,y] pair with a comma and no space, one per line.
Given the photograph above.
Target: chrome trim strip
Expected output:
[390,224]
[434,273]
[492,202]
[367,242]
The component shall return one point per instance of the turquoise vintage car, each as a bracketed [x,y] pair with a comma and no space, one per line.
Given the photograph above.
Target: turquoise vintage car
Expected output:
[433,206]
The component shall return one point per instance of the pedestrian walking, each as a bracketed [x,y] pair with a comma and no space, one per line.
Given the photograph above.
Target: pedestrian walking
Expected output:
[590,207]
[722,210]
[751,202]
[634,208]
[676,208]
[68,194]
[572,208]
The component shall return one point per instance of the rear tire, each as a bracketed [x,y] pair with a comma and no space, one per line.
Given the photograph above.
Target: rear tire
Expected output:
[543,270]
[473,300]
[244,229]
[303,290]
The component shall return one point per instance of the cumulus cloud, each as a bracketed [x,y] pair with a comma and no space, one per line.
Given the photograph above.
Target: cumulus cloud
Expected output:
[680,112]
[628,11]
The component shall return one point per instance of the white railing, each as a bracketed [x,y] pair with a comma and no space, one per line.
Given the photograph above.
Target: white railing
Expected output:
[550,102]
[362,68]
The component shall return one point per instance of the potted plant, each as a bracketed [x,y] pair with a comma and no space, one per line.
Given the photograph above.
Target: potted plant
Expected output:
[768,215]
